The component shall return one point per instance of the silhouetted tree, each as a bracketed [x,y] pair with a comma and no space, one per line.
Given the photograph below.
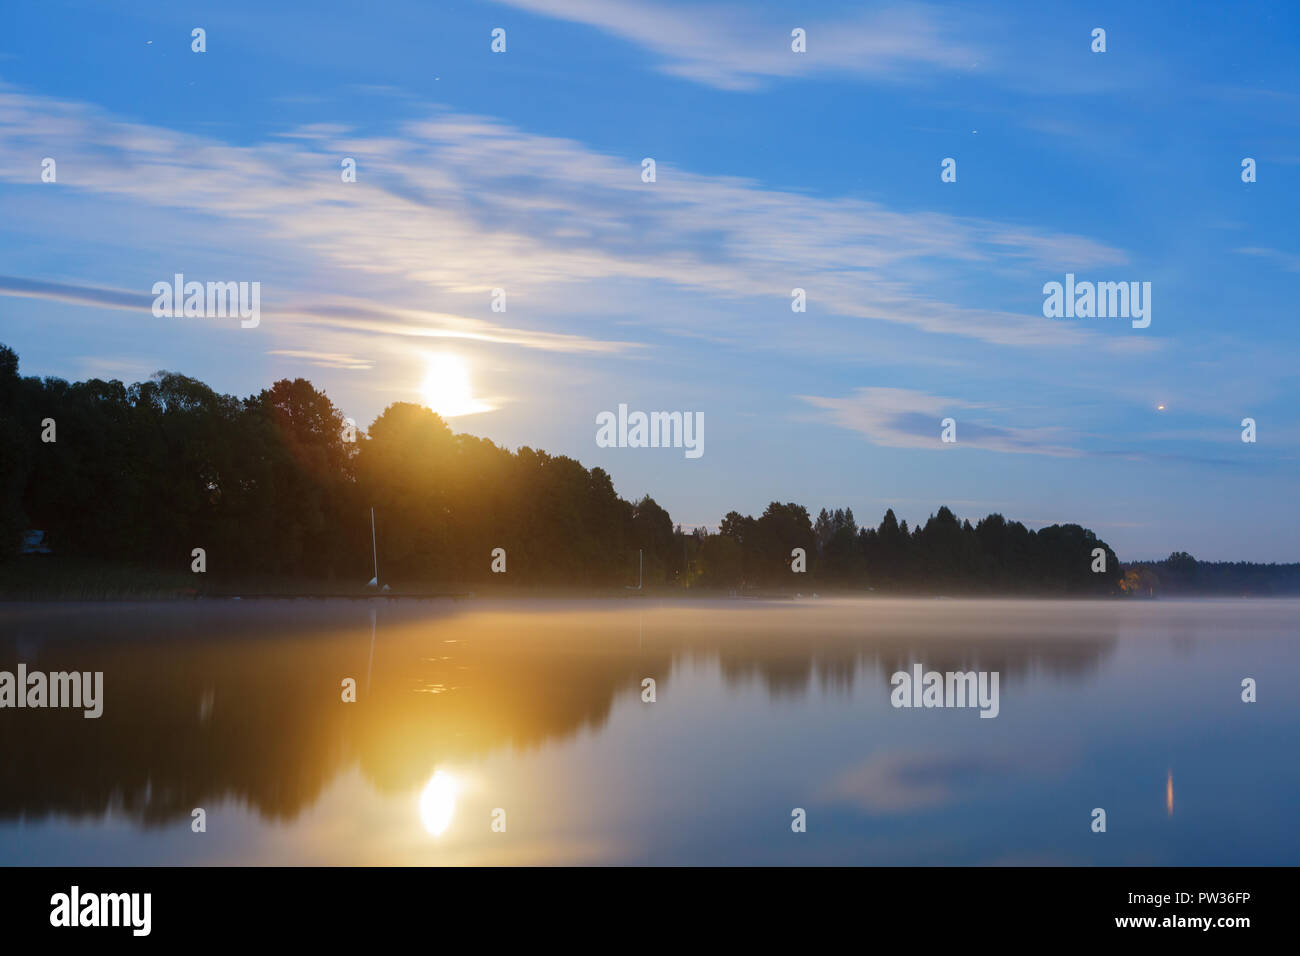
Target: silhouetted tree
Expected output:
[268,486]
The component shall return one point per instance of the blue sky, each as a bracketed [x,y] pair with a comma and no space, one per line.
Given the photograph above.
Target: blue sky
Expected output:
[775,170]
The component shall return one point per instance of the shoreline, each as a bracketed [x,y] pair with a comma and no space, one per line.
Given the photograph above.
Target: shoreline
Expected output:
[551,594]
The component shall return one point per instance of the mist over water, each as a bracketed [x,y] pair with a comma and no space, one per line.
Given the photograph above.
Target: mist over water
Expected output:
[535,707]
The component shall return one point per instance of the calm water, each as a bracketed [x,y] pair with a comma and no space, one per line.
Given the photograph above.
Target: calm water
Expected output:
[535,707]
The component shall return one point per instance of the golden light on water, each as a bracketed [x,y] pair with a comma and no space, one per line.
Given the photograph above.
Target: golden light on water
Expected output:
[438,802]
[447,388]
[1169,793]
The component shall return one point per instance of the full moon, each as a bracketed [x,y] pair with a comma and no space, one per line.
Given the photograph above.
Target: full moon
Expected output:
[447,389]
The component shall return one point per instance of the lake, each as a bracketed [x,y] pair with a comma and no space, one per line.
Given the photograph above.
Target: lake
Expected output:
[520,732]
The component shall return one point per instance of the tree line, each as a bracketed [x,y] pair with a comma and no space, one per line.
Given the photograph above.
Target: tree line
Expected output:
[994,555]
[1180,573]
[270,487]
[276,486]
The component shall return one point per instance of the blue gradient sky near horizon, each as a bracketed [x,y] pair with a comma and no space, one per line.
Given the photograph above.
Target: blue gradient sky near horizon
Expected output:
[775,170]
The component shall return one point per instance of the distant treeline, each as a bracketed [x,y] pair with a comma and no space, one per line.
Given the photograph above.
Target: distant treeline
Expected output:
[944,554]
[277,486]
[1180,573]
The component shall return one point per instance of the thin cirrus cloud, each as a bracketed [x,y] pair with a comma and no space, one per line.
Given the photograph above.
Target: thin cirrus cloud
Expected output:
[747,48]
[339,314]
[1287,260]
[907,418]
[453,206]
[324,359]
[74,294]
[711,45]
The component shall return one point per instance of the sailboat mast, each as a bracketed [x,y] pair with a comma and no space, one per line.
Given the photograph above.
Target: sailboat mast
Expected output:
[374,547]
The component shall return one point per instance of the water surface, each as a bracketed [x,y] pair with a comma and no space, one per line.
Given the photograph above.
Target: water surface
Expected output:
[536,708]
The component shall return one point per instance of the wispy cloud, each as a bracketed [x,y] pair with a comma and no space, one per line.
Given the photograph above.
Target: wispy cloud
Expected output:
[74,294]
[735,49]
[126,369]
[1287,260]
[453,206]
[905,418]
[338,312]
[324,359]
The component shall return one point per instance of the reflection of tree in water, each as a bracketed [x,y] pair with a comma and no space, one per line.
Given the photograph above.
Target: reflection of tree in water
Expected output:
[209,702]
[884,636]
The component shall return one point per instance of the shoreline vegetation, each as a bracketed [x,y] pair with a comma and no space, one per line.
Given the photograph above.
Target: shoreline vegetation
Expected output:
[42,579]
[126,481]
